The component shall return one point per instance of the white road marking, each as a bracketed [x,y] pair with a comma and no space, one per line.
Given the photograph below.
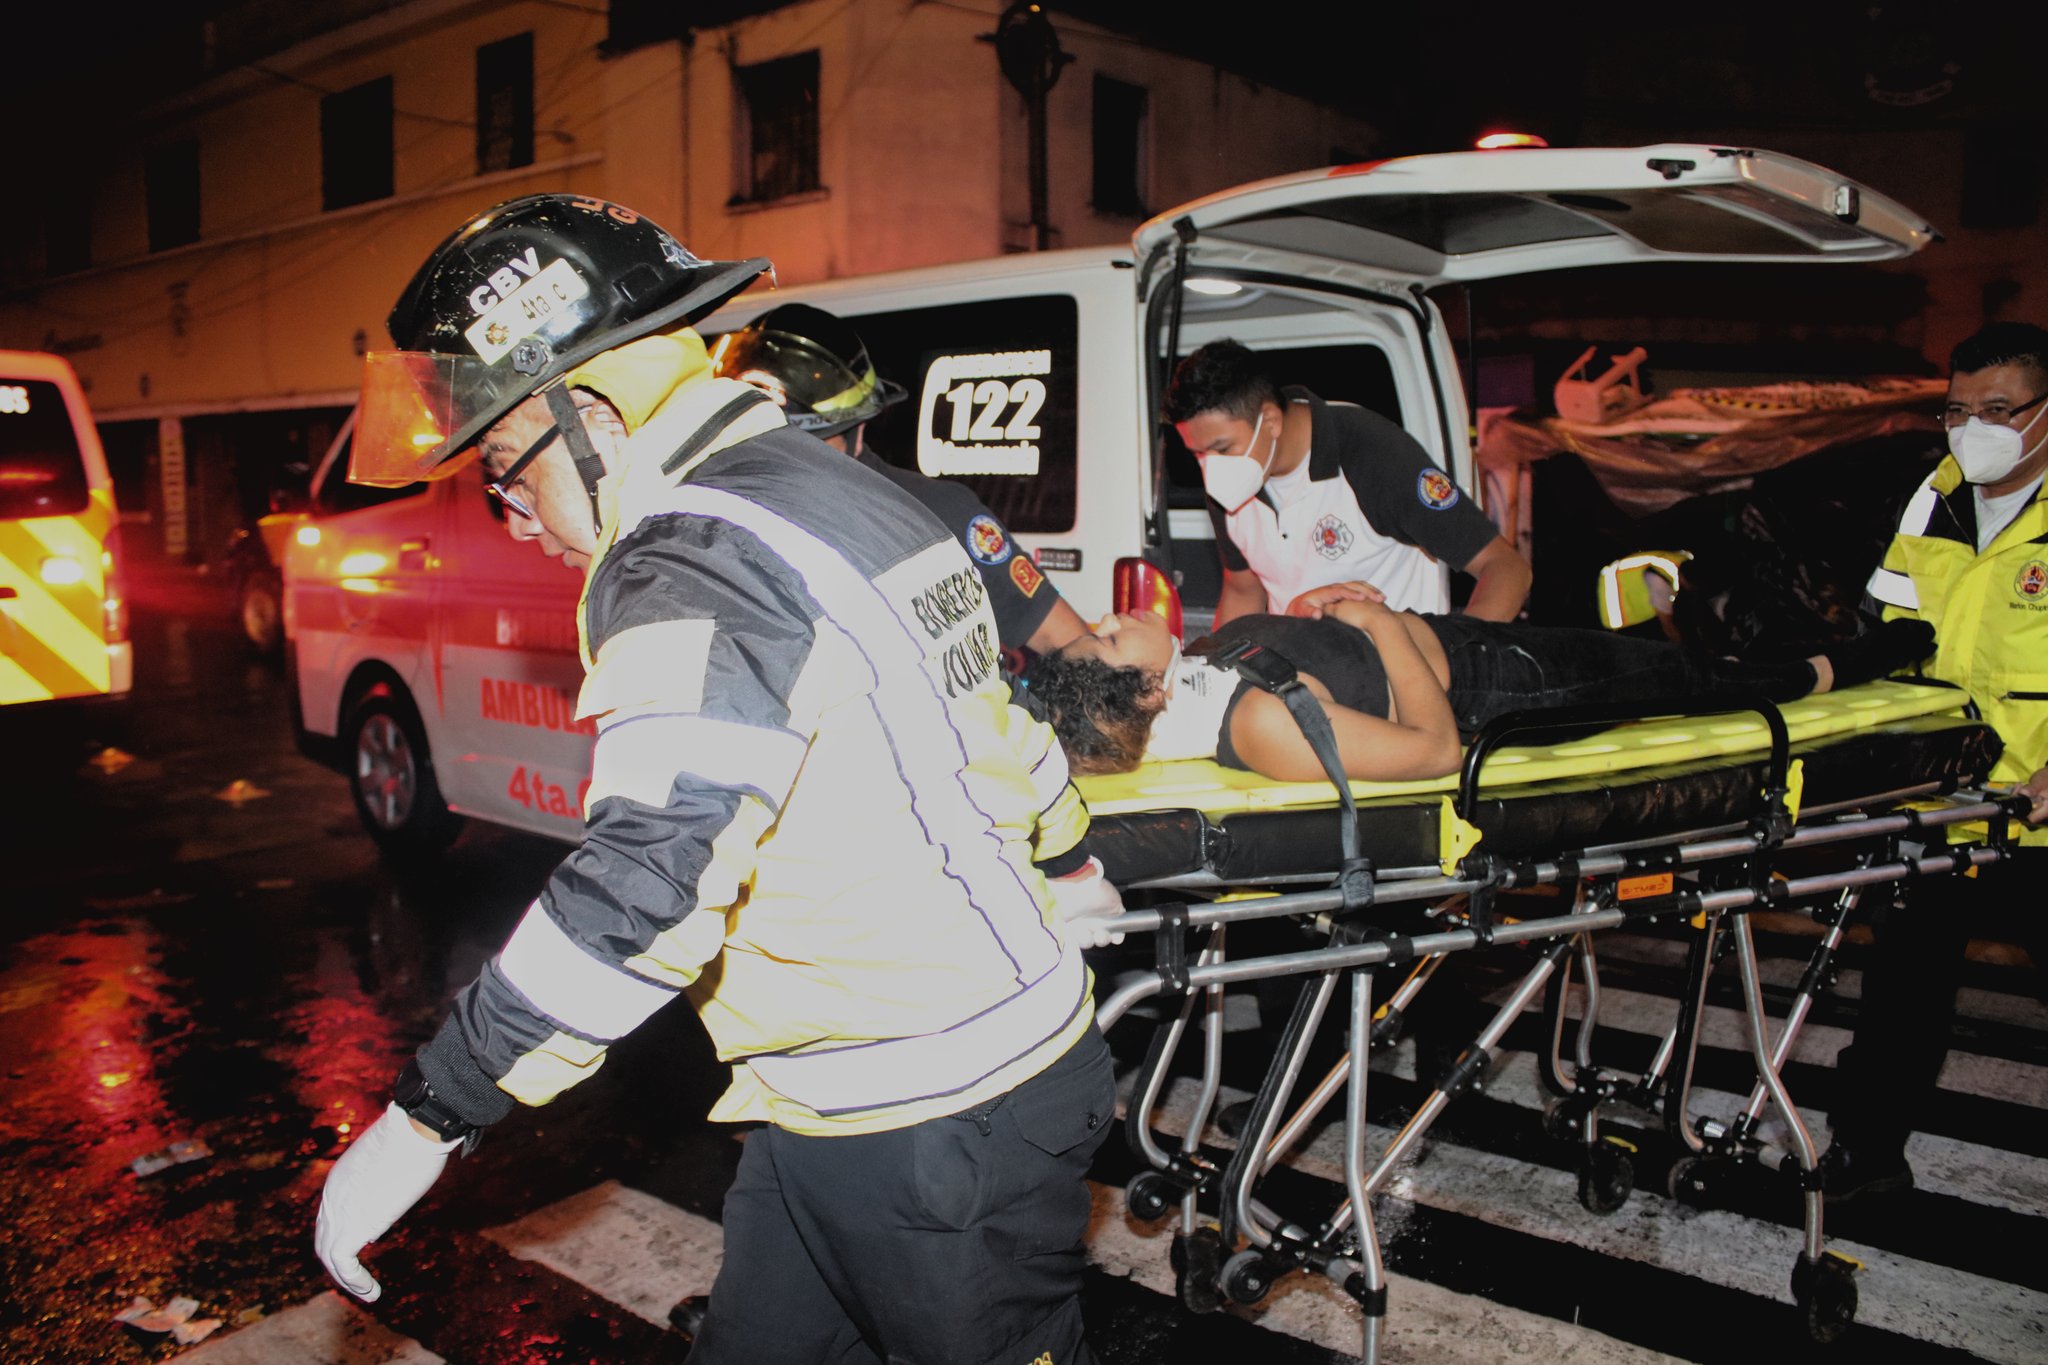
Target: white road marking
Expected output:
[640,1252]
[1949,1307]
[327,1330]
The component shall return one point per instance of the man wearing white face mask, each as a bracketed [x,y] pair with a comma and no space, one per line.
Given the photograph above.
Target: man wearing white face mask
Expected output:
[1317,501]
[1970,558]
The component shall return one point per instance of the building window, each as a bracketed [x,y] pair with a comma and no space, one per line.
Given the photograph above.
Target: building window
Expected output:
[170,184]
[355,145]
[504,104]
[1119,148]
[777,125]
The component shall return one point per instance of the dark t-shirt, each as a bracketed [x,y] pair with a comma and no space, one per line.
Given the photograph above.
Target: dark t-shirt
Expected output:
[1343,659]
[1017,590]
[1336,529]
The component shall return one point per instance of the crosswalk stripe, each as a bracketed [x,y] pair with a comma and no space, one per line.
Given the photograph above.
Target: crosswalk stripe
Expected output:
[1668,956]
[643,1253]
[1964,1073]
[640,1252]
[2012,1181]
[1913,1298]
[1424,1323]
[325,1330]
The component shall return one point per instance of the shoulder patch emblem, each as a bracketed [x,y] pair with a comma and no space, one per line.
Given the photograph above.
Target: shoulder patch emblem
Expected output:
[1331,537]
[1435,489]
[1025,575]
[2031,585]
[987,541]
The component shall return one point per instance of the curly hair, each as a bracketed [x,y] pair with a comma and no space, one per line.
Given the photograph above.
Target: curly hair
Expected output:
[1102,714]
[1224,376]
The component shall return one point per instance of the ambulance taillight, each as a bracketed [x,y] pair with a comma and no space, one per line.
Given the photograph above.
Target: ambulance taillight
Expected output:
[1139,585]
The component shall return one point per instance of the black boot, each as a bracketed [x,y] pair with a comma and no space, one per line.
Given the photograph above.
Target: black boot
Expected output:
[1851,1172]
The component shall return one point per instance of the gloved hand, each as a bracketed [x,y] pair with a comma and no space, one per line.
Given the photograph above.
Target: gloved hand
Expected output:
[1086,902]
[381,1175]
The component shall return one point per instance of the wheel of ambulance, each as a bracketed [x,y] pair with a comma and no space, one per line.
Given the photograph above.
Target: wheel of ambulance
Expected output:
[1150,1195]
[1825,1291]
[391,776]
[260,612]
[1606,1178]
[1247,1277]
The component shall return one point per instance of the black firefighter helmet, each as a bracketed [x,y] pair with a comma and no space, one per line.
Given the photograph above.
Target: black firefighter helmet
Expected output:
[513,300]
[812,363]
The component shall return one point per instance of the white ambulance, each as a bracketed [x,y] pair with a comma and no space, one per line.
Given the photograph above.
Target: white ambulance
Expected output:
[63,612]
[435,660]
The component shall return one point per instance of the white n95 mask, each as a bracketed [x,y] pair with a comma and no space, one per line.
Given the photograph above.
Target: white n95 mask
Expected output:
[1234,480]
[1986,452]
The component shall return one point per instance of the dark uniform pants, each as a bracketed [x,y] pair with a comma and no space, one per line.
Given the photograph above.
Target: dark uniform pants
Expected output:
[957,1241]
[1884,1083]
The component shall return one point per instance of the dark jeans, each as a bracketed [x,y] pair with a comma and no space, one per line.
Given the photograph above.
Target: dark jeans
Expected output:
[1884,1082]
[1497,667]
[957,1241]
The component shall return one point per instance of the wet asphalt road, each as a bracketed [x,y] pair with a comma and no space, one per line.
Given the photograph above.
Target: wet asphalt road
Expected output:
[183,957]
[178,966]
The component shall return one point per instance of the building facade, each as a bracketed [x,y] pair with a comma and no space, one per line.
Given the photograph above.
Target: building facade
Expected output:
[216,267]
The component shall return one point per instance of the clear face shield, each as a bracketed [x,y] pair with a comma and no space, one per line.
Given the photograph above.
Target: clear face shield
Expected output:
[419,410]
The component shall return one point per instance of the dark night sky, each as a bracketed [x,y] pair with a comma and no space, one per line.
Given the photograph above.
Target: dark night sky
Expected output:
[1431,75]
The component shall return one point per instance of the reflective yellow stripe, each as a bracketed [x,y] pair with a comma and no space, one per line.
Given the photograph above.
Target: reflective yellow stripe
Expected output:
[52,636]
[50,673]
[17,684]
[25,548]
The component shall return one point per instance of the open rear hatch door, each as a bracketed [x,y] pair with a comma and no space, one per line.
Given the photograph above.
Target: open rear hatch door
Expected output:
[1461,216]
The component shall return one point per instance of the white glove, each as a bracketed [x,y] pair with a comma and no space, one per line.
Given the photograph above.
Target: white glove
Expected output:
[1087,903]
[381,1175]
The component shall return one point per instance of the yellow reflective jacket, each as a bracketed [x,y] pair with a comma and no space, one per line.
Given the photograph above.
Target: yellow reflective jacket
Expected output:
[812,806]
[1989,611]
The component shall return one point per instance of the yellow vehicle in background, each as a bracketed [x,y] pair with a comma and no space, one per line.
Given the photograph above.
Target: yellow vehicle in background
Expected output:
[63,613]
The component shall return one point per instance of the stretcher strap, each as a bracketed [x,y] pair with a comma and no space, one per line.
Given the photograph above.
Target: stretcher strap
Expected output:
[1275,673]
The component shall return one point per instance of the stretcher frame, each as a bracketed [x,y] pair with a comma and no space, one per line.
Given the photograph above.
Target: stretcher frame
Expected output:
[1709,878]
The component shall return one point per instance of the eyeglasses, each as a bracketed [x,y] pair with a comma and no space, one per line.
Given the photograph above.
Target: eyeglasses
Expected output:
[501,487]
[1997,414]
[511,501]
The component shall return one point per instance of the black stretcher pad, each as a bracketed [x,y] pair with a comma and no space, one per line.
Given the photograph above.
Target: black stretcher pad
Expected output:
[1547,820]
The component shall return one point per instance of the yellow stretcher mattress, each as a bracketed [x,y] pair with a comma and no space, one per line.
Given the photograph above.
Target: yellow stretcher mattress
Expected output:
[1207,786]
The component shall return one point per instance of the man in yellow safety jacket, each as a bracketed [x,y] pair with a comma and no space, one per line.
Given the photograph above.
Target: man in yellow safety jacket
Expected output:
[1970,558]
[813,811]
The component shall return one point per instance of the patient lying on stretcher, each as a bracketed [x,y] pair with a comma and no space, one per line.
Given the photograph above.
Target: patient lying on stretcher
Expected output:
[1398,687]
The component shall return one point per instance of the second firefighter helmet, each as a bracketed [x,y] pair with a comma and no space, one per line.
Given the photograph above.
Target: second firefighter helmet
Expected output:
[511,302]
[811,363]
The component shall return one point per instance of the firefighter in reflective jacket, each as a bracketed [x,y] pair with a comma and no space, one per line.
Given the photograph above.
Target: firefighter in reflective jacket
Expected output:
[807,769]
[1971,558]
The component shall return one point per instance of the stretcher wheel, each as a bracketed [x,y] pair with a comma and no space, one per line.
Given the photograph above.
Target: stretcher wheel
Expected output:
[1197,1265]
[1563,1118]
[1826,1293]
[1247,1277]
[1695,1181]
[1606,1179]
[1150,1195]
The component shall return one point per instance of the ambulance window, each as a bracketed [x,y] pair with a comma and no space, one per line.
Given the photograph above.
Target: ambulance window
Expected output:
[42,473]
[336,494]
[1358,374]
[990,395]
